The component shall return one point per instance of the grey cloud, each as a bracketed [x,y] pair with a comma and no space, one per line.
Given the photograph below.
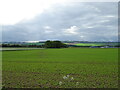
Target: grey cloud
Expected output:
[95,21]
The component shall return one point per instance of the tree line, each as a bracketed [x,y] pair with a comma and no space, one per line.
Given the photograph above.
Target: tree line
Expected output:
[48,44]
[55,44]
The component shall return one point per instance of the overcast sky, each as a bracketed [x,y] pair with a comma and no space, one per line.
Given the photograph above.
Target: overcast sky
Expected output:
[32,21]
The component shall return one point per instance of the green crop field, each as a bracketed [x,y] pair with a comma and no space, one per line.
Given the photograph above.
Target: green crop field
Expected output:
[94,44]
[88,44]
[61,68]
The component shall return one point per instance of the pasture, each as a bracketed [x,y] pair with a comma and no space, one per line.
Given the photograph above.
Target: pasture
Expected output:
[94,44]
[60,68]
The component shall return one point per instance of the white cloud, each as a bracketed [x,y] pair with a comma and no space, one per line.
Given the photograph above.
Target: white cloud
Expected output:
[82,36]
[109,16]
[73,30]
[102,21]
[47,27]
[48,31]
[90,27]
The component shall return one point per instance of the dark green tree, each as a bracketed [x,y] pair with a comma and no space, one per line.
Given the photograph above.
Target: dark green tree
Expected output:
[55,44]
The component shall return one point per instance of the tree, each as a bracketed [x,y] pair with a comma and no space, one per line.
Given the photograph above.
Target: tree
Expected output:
[55,44]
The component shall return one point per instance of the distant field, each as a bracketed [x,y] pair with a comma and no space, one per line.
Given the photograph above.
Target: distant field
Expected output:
[34,43]
[13,49]
[93,44]
[88,44]
[45,68]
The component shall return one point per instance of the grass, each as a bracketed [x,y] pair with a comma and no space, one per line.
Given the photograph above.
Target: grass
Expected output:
[45,68]
[88,44]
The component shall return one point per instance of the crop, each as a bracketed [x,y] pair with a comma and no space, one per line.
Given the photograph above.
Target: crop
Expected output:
[61,68]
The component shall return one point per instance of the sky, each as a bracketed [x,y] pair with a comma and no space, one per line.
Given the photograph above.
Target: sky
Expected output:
[34,20]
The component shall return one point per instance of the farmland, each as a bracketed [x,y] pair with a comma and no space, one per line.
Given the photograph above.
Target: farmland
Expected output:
[95,44]
[61,68]
[69,44]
